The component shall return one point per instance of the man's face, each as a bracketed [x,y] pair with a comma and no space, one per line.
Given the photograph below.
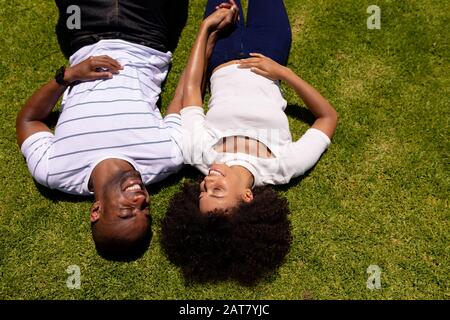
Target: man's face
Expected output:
[120,217]
[126,197]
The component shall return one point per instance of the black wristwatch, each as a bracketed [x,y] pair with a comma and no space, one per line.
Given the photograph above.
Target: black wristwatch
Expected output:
[59,77]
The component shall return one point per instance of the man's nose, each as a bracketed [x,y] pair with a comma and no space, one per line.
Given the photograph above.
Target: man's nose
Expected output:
[139,198]
[141,203]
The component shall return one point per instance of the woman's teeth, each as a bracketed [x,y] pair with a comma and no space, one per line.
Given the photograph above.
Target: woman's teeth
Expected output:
[134,187]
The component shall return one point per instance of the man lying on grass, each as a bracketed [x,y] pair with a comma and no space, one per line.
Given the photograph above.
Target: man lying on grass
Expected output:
[110,139]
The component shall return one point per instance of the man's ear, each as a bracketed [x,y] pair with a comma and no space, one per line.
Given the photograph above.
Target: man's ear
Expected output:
[96,211]
[247,196]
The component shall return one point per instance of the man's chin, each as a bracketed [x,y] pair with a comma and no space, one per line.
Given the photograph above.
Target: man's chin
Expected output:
[132,174]
[121,181]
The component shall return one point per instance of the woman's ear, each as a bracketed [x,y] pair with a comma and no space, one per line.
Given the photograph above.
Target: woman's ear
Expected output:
[247,196]
[96,211]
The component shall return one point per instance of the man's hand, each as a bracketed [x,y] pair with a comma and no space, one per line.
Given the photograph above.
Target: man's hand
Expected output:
[226,14]
[264,66]
[93,68]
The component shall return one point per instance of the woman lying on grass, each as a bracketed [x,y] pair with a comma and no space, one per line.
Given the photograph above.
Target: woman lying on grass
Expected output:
[233,224]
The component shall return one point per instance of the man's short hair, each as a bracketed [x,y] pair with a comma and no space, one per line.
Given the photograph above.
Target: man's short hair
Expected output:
[120,241]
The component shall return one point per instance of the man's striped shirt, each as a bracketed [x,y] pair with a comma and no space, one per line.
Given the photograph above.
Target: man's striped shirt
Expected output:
[113,118]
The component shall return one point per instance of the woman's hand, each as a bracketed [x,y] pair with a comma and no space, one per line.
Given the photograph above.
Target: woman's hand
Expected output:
[226,14]
[264,66]
[93,68]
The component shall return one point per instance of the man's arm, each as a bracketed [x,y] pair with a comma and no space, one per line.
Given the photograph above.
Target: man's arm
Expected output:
[176,104]
[326,115]
[31,117]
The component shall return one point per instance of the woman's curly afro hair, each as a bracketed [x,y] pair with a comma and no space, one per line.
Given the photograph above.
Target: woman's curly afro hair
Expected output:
[243,244]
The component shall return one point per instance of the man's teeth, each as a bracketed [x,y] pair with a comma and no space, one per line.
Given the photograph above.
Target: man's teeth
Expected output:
[134,187]
[214,173]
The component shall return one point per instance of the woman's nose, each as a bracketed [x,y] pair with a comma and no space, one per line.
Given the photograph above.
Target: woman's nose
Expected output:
[209,183]
[210,178]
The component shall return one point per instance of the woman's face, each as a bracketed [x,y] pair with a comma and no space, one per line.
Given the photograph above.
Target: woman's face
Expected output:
[223,188]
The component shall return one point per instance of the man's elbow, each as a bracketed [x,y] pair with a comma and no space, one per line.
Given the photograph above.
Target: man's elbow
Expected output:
[20,121]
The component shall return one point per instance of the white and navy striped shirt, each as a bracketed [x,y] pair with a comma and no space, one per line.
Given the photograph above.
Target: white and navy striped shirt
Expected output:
[113,118]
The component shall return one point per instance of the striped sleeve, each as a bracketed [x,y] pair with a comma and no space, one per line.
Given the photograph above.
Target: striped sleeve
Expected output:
[173,123]
[36,149]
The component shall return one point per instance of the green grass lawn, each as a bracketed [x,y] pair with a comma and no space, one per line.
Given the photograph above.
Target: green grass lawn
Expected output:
[380,195]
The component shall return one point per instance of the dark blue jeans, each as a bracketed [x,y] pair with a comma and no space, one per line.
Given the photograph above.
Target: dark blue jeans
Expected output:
[267,31]
[156,23]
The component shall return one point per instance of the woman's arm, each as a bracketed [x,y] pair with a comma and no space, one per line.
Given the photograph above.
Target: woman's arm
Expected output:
[176,104]
[326,115]
[195,71]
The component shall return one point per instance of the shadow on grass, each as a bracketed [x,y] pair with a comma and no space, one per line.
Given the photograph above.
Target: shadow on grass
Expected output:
[293,182]
[304,115]
[59,196]
[267,279]
[300,113]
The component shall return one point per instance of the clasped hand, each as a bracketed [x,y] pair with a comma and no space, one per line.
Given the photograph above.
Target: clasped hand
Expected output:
[226,15]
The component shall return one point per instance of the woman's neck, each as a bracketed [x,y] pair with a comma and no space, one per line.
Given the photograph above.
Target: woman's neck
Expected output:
[245,175]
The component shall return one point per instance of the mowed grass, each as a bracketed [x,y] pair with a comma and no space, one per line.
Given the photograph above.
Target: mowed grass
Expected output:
[379,195]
